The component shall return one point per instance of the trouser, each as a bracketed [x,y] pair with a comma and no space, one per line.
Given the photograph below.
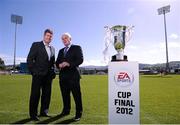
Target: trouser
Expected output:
[41,86]
[67,86]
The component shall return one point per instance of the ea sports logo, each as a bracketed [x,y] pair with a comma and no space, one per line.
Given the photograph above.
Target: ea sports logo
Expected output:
[124,78]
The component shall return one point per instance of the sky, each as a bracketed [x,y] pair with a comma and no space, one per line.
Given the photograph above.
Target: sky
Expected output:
[85,21]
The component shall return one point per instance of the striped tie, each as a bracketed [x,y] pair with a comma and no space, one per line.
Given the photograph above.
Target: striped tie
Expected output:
[65,51]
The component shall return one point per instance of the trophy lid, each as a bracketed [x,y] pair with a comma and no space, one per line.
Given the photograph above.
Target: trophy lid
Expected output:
[119,28]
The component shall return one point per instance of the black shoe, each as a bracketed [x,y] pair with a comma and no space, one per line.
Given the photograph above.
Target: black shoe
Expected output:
[44,115]
[78,116]
[35,118]
[64,113]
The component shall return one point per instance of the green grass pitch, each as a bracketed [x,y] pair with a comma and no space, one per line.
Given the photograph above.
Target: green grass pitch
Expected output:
[159,100]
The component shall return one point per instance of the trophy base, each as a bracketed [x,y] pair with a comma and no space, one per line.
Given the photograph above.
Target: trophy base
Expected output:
[114,58]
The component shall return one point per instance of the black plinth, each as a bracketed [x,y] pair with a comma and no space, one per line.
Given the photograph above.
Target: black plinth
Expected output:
[113,58]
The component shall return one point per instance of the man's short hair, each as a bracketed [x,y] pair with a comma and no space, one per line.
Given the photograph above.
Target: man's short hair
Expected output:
[48,31]
[67,34]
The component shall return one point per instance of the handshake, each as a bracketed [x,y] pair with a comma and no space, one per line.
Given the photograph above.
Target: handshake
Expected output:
[63,65]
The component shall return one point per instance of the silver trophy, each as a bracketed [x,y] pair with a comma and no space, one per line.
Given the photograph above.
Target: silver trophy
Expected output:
[119,35]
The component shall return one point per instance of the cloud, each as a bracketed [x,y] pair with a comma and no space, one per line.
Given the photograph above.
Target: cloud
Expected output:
[152,53]
[9,60]
[173,36]
[174,45]
[132,47]
[171,45]
[94,62]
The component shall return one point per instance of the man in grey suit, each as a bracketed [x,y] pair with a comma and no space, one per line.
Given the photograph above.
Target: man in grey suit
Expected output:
[40,61]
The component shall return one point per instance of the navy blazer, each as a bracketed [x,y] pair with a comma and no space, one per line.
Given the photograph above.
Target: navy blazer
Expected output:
[37,60]
[74,57]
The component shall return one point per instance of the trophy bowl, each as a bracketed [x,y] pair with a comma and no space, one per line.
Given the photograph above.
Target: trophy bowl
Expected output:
[119,40]
[118,35]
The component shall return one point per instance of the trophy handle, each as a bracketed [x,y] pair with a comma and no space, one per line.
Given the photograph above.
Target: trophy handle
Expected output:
[107,42]
[128,34]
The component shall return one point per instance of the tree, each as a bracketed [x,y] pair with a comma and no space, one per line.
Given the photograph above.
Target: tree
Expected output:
[2,65]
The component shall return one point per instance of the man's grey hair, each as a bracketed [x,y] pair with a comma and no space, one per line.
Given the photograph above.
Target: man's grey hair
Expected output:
[67,34]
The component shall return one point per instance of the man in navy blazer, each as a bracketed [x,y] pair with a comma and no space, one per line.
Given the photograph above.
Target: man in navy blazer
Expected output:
[41,64]
[68,60]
